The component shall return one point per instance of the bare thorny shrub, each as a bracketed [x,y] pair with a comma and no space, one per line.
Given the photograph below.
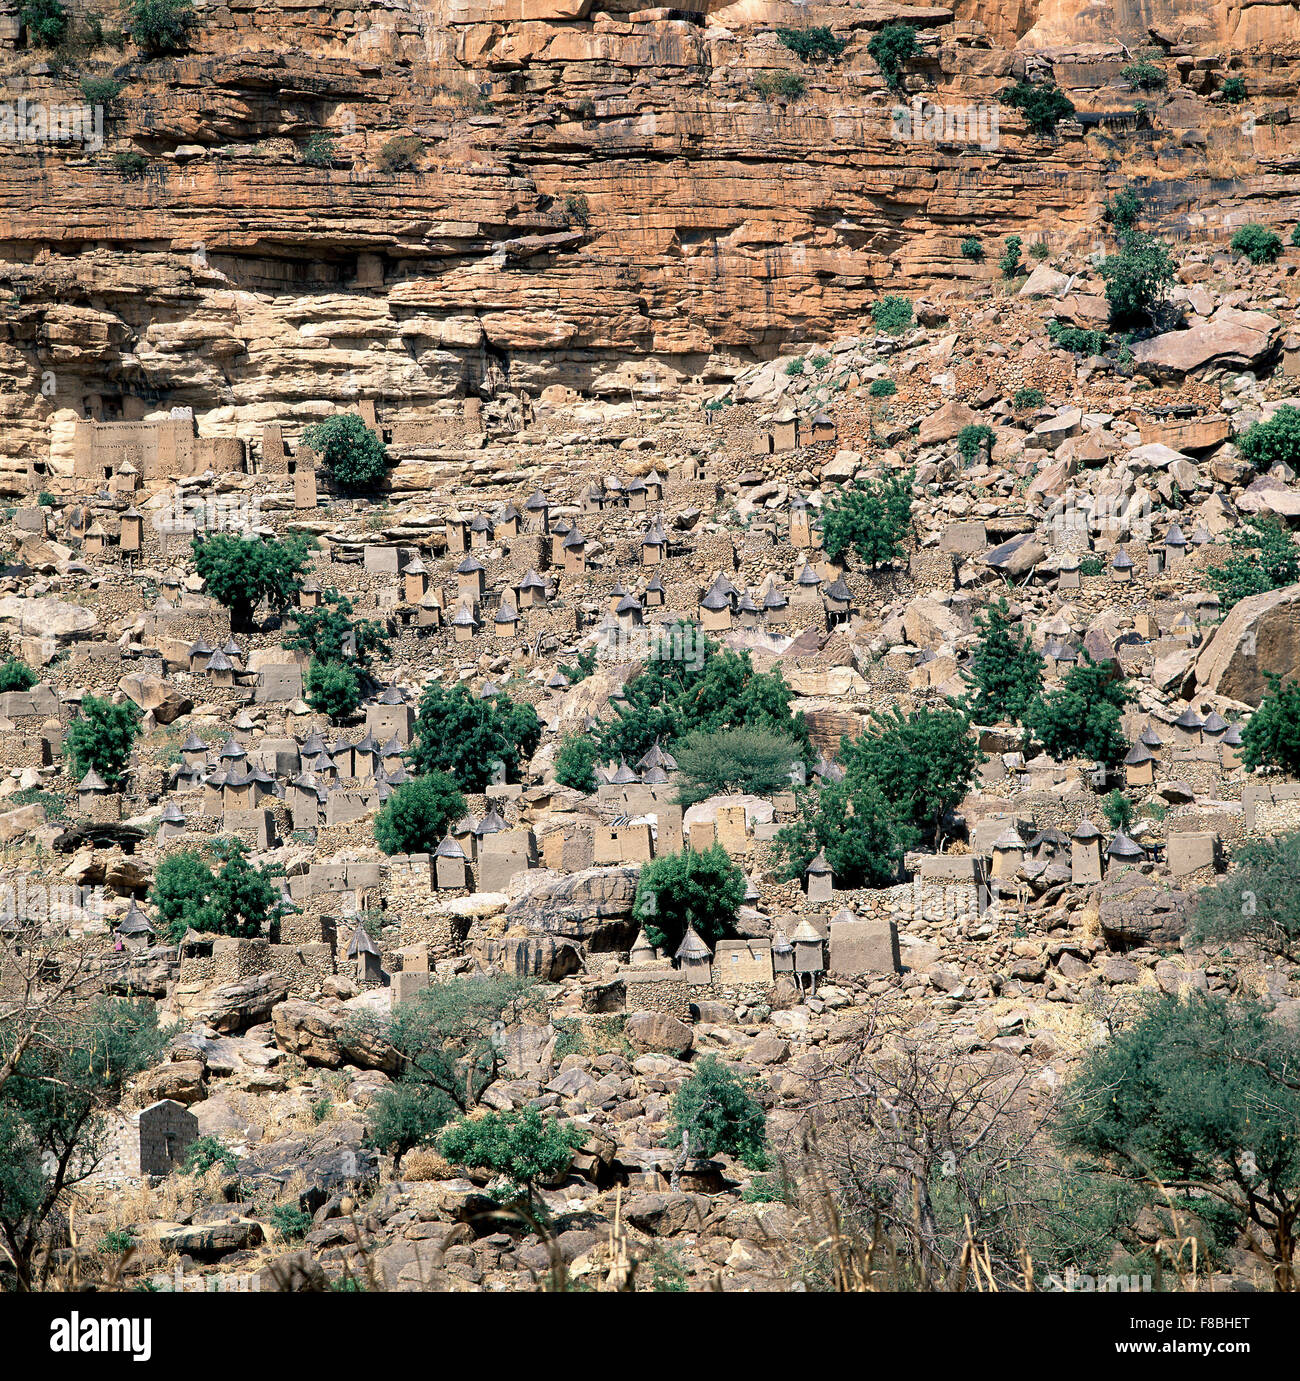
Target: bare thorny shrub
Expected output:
[922,1166]
[44,976]
[899,1146]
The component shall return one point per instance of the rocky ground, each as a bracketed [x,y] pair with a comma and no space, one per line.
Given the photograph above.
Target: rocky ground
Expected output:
[642,268]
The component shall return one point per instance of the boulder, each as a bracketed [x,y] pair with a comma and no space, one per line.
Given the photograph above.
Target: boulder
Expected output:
[1232,339]
[1045,281]
[181,1080]
[1268,494]
[1138,910]
[152,692]
[16,823]
[1016,557]
[293,1273]
[1117,970]
[534,956]
[323,1036]
[331,1161]
[592,907]
[650,1031]
[1170,670]
[1260,634]
[843,466]
[946,423]
[928,623]
[229,1007]
[47,618]
[1173,979]
[665,1215]
[1055,430]
[212,1241]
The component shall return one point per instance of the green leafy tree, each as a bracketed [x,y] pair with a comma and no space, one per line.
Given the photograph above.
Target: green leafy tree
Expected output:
[1138,278]
[1258,243]
[448,1037]
[181,891]
[478,741]
[1234,90]
[1265,557]
[1271,737]
[1200,1095]
[54,1108]
[1146,76]
[1122,210]
[522,1147]
[239,899]
[333,689]
[240,573]
[401,153]
[291,1221]
[700,888]
[416,817]
[972,249]
[810,43]
[716,1112]
[1274,442]
[1043,104]
[575,763]
[46,22]
[1006,673]
[891,48]
[1258,904]
[1009,264]
[1118,810]
[100,90]
[1077,339]
[16,675]
[206,1151]
[407,1113]
[754,761]
[730,693]
[873,518]
[657,701]
[857,828]
[892,314]
[689,684]
[161,26]
[331,634]
[101,737]
[320,151]
[129,165]
[788,84]
[1025,399]
[352,455]
[972,441]
[1082,719]
[582,666]
[923,763]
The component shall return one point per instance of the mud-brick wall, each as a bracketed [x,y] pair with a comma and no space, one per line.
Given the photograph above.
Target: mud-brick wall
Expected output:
[305,967]
[935,901]
[933,569]
[445,935]
[212,624]
[669,994]
[25,750]
[739,994]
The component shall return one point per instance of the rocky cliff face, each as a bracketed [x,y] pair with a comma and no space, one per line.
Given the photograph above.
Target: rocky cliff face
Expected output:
[601,198]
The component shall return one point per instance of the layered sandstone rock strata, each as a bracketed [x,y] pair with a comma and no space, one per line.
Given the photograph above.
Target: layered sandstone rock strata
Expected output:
[597,186]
